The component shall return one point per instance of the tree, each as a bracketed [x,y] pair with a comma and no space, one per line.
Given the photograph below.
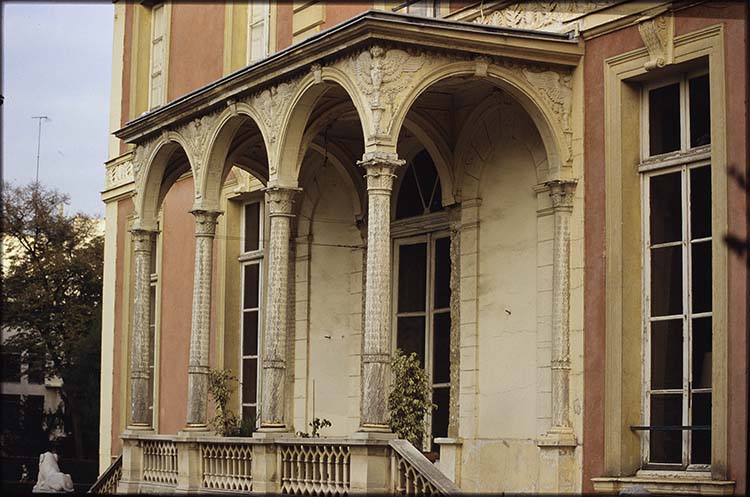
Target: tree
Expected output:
[51,296]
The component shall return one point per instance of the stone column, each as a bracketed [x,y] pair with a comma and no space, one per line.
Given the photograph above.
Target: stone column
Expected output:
[279,202]
[140,373]
[380,168]
[561,193]
[558,444]
[197,404]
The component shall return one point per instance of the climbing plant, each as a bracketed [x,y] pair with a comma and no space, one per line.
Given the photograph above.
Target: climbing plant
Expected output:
[409,399]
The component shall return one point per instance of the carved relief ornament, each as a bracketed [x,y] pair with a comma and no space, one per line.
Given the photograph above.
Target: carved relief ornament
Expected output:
[118,174]
[658,36]
[140,157]
[382,74]
[197,134]
[539,15]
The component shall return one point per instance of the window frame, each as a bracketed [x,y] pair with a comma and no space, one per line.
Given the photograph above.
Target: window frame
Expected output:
[266,21]
[163,39]
[246,259]
[681,161]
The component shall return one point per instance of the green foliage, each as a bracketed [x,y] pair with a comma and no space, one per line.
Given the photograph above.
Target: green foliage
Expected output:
[409,399]
[316,425]
[221,386]
[51,298]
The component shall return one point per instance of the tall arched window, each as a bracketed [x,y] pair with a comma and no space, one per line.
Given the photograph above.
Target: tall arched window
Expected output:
[422,291]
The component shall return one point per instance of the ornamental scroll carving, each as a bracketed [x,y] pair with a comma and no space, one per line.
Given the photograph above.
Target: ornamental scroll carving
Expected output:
[197,134]
[141,155]
[539,16]
[381,75]
[658,36]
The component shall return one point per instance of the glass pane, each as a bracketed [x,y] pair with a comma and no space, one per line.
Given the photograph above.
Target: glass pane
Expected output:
[252,227]
[412,272]
[664,119]
[249,380]
[700,202]
[250,333]
[409,202]
[700,111]
[251,286]
[411,337]
[427,176]
[442,292]
[700,450]
[666,281]
[250,413]
[152,262]
[701,262]
[702,353]
[666,354]
[152,305]
[666,208]
[441,348]
[666,446]
[441,398]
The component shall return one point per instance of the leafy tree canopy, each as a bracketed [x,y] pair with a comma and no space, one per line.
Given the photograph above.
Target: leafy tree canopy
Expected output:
[52,291]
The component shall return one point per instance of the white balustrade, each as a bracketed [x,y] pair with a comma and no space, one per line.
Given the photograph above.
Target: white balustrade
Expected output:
[160,462]
[226,466]
[315,469]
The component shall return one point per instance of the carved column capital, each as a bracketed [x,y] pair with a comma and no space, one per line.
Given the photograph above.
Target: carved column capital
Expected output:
[142,239]
[280,200]
[561,192]
[380,168]
[205,221]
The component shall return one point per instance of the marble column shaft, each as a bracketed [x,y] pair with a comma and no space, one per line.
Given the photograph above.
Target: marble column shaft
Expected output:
[561,193]
[140,373]
[380,168]
[197,404]
[279,202]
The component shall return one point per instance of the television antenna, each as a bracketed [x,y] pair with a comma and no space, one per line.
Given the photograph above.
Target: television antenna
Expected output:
[39,141]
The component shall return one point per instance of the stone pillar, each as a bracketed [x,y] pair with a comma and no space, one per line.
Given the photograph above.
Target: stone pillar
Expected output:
[140,373]
[561,193]
[380,168]
[197,404]
[559,443]
[279,201]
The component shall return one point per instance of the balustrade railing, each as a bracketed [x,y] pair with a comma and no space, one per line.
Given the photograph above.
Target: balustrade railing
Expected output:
[315,468]
[107,482]
[331,467]
[226,465]
[160,461]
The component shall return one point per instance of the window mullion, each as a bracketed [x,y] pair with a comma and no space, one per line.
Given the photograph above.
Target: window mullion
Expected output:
[686,306]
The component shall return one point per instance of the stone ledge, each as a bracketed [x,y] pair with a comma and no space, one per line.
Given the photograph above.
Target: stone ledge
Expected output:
[664,485]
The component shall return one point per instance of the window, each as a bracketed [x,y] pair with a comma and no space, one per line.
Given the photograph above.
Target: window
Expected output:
[676,186]
[158,56]
[11,365]
[257,33]
[422,284]
[251,263]
[424,8]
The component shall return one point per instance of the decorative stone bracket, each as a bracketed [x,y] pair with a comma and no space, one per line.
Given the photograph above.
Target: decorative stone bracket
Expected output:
[658,36]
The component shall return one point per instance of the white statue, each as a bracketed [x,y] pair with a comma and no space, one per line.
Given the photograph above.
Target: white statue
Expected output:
[51,479]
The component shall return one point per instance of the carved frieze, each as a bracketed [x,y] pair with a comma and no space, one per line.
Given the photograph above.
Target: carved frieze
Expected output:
[140,157]
[118,173]
[197,134]
[539,15]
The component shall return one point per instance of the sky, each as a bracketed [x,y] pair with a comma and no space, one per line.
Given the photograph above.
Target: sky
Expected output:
[57,61]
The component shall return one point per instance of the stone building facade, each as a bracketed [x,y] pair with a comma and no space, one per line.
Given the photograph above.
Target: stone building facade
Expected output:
[531,196]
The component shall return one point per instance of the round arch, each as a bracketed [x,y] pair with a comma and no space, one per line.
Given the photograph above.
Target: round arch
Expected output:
[294,123]
[219,143]
[149,189]
[507,80]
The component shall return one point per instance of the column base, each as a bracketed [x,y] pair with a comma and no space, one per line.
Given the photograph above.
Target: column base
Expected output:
[138,429]
[272,433]
[374,435]
[557,457]
[192,430]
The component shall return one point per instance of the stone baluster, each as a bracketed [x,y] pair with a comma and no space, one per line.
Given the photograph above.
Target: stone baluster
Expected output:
[197,404]
[279,201]
[380,168]
[561,193]
[140,373]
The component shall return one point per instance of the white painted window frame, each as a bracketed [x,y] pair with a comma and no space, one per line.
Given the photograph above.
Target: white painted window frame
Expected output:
[266,22]
[254,257]
[683,161]
[163,40]
[154,326]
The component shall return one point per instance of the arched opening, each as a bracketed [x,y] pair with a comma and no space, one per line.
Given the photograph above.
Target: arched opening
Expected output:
[329,257]
[466,273]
